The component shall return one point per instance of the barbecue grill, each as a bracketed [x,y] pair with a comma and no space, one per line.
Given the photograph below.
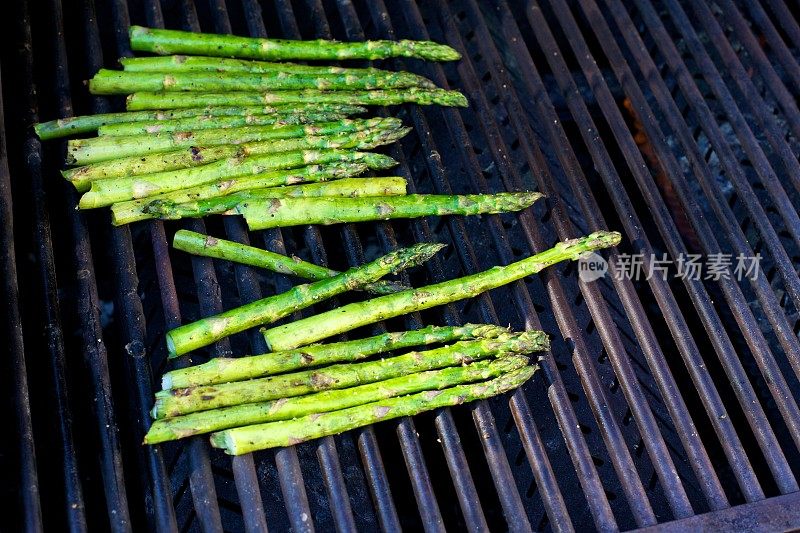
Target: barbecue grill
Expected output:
[667,402]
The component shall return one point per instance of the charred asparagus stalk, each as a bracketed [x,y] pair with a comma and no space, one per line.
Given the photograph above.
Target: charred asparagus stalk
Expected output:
[224,370]
[231,204]
[184,63]
[164,42]
[175,402]
[108,191]
[65,127]
[207,330]
[206,122]
[205,245]
[82,177]
[248,439]
[165,429]
[116,82]
[177,100]
[84,151]
[128,212]
[151,207]
[351,316]
[263,214]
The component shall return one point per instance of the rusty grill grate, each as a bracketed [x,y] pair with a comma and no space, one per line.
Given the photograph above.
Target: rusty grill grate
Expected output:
[664,402]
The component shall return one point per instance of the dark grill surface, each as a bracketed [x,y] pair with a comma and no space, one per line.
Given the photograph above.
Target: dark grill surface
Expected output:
[663,402]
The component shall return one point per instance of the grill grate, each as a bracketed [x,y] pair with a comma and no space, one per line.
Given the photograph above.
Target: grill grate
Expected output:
[670,402]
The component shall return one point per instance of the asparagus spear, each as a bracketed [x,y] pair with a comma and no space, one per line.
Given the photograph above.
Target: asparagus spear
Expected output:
[263,214]
[205,245]
[207,330]
[165,42]
[231,204]
[128,212]
[149,208]
[205,122]
[82,177]
[248,439]
[176,100]
[175,402]
[83,151]
[112,190]
[225,369]
[64,127]
[165,429]
[117,82]
[184,63]
[351,316]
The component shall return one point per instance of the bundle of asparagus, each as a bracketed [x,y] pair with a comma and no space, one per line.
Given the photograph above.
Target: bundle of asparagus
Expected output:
[284,398]
[202,128]
[221,394]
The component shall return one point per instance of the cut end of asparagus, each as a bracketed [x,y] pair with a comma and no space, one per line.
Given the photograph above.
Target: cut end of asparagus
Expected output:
[41,129]
[171,351]
[222,439]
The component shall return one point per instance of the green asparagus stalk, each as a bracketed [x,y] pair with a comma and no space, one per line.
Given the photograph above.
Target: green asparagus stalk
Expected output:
[231,204]
[175,402]
[184,63]
[112,190]
[82,177]
[226,369]
[263,214]
[267,310]
[177,100]
[65,127]
[248,439]
[165,42]
[128,212]
[117,82]
[166,429]
[351,316]
[151,207]
[83,151]
[207,246]
[205,122]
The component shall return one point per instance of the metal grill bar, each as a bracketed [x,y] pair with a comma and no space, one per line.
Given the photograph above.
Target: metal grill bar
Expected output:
[786,20]
[788,62]
[26,477]
[773,82]
[95,354]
